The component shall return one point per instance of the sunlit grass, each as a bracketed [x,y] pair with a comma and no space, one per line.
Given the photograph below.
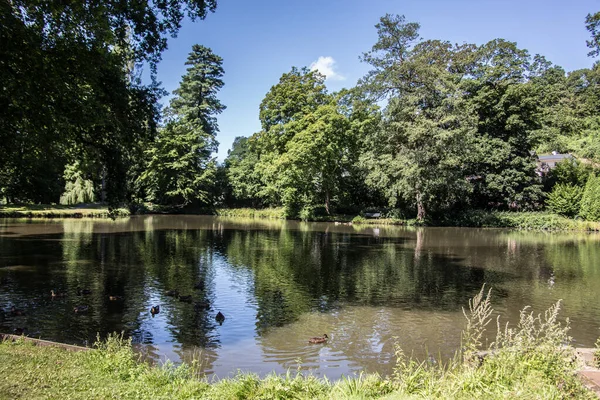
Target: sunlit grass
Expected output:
[60,211]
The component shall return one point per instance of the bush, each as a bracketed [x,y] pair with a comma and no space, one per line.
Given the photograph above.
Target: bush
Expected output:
[307,213]
[571,171]
[590,202]
[565,199]
[358,219]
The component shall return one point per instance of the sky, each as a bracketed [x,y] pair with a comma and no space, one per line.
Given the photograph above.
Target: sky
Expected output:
[261,40]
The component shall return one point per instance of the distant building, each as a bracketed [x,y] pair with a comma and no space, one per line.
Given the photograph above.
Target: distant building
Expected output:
[547,162]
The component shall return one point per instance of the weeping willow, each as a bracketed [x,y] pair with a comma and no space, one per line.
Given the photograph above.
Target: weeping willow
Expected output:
[77,188]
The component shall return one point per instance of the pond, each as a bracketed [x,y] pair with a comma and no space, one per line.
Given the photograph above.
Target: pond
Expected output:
[278,283]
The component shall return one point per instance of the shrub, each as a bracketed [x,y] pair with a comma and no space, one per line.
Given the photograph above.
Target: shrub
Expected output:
[571,171]
[565,199]
[590,202]
[358,219]
[307,213]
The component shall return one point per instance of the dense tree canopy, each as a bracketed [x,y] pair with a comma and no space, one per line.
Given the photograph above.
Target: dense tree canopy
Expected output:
[70,91]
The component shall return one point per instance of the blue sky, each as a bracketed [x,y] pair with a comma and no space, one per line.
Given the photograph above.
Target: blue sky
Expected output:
[261,40]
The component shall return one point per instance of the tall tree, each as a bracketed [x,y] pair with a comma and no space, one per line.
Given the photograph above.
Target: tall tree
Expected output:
[181,167]
[422,147]
[506,102]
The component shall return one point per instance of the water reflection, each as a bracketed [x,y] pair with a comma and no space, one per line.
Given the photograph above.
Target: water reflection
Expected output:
[279,283]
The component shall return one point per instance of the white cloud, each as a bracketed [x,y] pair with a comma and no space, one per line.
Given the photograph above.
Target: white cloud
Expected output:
[326,66]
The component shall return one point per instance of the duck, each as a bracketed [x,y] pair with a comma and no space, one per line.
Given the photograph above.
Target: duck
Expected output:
[19,331]
[154,310]
[81,309]
[318,339]
[186,299]
[220,318]
[202,305]
[15,313]
[83,292]
[172,293]
[57,294]
[115,298]
[199,285]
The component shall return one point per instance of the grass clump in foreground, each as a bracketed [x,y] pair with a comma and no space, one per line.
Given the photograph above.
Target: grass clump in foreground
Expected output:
[527,361]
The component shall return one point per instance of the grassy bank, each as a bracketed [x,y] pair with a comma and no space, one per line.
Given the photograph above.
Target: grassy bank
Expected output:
[60,211]
[268,213]
[518,220]
[528,361]
[471,218]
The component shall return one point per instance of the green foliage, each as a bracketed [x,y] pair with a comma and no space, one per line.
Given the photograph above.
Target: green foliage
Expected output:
[72,88]
[306,154]
[517,220]
[273,213]
[181,169]
[507,106]
[60,211]
[427,134]
[77,188]
[592,24]
[571,171]
[565,199]
[358,220]
[590,202]
[241,172]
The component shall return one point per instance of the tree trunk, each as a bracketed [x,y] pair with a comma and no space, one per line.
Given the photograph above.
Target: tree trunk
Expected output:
[327,202]
[103,187]
[420,208]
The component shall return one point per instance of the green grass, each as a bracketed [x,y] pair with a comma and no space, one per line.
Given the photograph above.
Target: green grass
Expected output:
[518,220]
[528,361]
[268,213]
[471,218]
[60,211]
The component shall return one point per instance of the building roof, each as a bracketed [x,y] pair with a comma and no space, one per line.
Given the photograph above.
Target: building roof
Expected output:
[552,157]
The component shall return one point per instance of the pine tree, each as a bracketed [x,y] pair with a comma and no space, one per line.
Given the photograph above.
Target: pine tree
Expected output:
[181,168]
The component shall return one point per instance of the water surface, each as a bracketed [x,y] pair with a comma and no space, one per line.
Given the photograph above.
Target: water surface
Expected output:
[279,283]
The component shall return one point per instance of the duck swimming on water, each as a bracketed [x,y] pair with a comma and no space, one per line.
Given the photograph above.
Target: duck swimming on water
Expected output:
[220,318]
[154,310]
[81,309]
[318,339]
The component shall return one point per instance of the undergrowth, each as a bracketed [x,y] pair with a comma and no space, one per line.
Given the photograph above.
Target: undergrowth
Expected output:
[530,360]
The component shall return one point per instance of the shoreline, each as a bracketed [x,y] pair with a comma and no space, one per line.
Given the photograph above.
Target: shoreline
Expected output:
[531,220]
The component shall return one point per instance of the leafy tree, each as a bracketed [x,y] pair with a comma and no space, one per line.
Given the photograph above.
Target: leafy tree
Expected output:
[565,199]
[77,188]
[592,24]
[181,168]
[298,93]
[242,174]
[507,107]
[571,171]
[420,152]
[590,202]
[309,171]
